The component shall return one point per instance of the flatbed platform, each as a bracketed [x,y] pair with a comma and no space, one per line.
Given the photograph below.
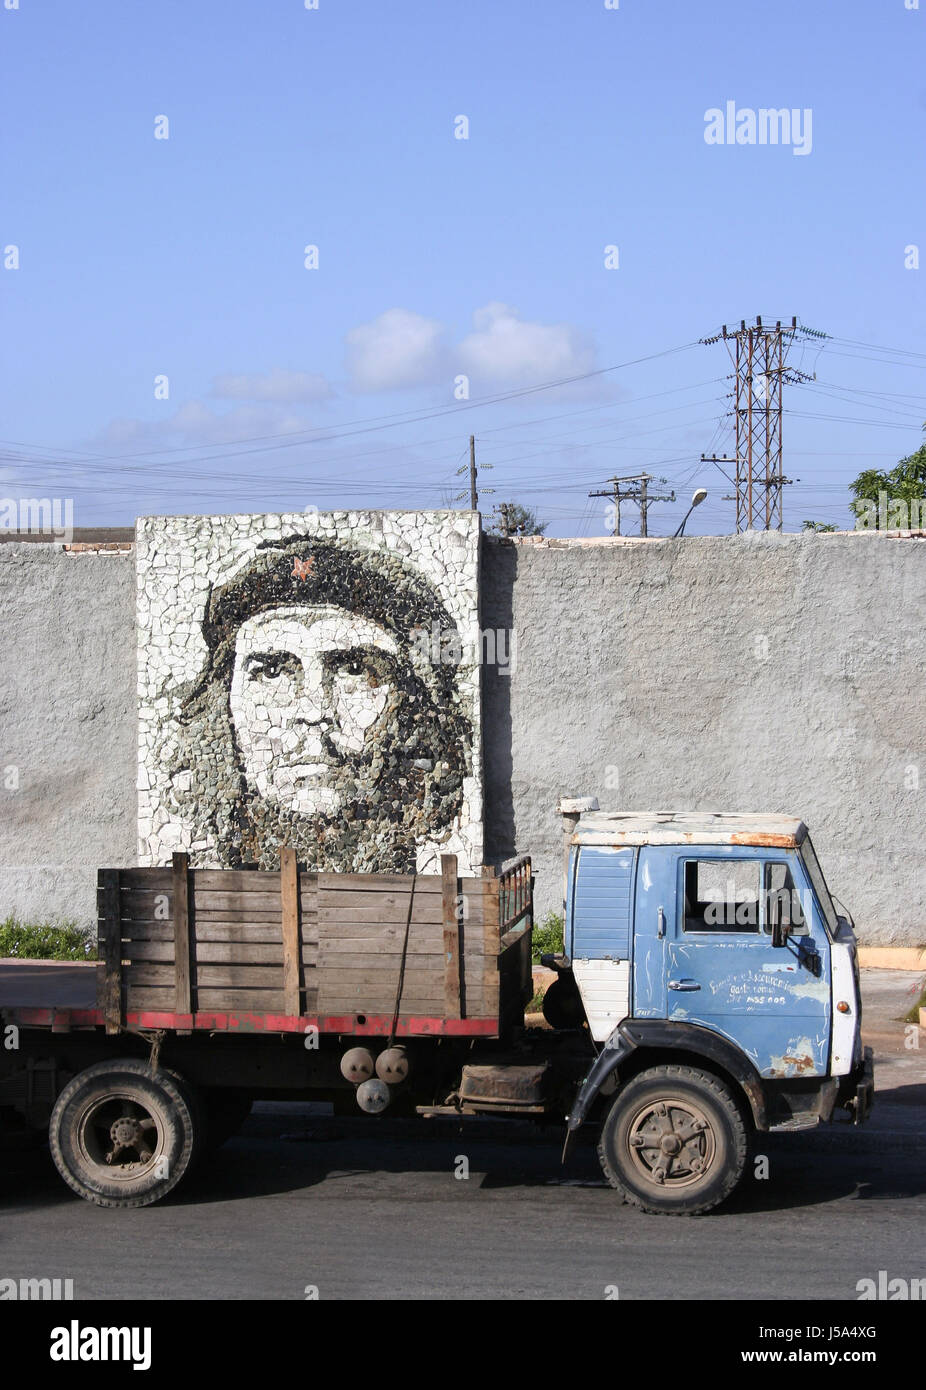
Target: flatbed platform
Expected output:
[291,952]
[42,984]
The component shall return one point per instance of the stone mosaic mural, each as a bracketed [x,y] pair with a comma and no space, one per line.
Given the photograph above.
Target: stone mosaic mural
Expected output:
[310,680]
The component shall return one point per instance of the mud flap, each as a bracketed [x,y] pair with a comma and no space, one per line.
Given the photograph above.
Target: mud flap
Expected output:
[611,1055]
[865,1090]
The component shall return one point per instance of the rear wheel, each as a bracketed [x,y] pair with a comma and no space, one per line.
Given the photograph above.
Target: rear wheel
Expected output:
[122,1136]
[675,1140]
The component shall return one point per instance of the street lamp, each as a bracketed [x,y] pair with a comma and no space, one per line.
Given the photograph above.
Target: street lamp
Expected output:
[696,501]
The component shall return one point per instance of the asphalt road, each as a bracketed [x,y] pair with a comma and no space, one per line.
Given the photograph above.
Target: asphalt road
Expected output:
[371,1208]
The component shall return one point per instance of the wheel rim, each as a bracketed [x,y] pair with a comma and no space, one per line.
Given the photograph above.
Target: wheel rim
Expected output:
[672,1143]
[121,1137]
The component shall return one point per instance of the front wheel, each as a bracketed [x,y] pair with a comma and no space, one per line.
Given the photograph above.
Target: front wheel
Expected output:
[675,1140]
[122,1136]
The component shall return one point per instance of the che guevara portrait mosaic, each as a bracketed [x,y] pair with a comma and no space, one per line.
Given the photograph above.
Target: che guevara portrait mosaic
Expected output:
[310,681]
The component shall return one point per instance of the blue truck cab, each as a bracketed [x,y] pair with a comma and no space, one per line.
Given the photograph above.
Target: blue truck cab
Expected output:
[720,987]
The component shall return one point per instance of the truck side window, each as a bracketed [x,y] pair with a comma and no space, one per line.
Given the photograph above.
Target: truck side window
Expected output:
[721,895]
[783,901]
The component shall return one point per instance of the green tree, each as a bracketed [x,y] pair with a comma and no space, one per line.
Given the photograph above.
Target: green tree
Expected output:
[891,499]
[514,520]
[817,526]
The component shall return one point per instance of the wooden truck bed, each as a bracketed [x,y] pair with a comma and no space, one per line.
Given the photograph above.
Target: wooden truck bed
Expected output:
[259,951]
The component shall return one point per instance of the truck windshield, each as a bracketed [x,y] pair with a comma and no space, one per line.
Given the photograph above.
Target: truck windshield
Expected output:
[815,874]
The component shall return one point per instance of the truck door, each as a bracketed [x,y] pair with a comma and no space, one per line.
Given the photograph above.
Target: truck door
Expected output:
[723,972]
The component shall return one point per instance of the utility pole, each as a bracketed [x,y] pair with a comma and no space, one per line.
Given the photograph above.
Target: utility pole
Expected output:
[759,356]
[640,495]
[473,490]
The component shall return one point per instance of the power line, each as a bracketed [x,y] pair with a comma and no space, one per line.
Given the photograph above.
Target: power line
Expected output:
[759,355]
[373,423]
[639,494]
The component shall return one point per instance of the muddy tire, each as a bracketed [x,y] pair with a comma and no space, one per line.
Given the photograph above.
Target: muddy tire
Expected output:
[675,1141]
[121,1136]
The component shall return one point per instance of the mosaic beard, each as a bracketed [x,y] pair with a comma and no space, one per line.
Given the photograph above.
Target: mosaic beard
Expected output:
[380,817]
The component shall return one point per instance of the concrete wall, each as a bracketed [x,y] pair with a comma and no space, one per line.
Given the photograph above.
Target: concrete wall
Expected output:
[67,726]
[742,673]
[768,673]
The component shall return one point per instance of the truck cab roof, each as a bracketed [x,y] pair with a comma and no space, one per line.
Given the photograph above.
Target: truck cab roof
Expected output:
[688,828]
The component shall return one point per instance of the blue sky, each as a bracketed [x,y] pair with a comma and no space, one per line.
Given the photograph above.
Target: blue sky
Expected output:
[439,256]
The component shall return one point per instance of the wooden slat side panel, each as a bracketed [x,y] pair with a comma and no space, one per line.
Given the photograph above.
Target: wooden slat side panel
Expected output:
[236,881]
[490,944]
[137,998]
[454,986]
[183,975]
[289,903]
[109,979]
[258,977]
[240,904]
[380,883]
[355,907]
[147,880]
[216,953]
[144,902]
[232,932]
[419,970]
[348,956]
[371,992]
[356,941]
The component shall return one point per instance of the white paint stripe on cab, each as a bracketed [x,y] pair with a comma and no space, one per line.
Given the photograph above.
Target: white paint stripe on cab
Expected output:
[605,989]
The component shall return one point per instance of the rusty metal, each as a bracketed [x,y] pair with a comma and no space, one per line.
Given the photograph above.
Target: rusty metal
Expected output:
[792,1066]
[672,1142]
[505,1087]
[620,828]
[764,841]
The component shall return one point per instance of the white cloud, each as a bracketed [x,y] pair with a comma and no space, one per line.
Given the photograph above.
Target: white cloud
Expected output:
[398,349]
[402,349]
[277,385]
[506,350]
[194,423]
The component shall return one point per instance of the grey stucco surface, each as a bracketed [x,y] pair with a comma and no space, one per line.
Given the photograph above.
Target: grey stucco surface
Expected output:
[67,725]
[773,673]
[752,673]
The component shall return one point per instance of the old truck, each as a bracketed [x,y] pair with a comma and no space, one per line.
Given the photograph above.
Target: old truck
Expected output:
[708,992]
